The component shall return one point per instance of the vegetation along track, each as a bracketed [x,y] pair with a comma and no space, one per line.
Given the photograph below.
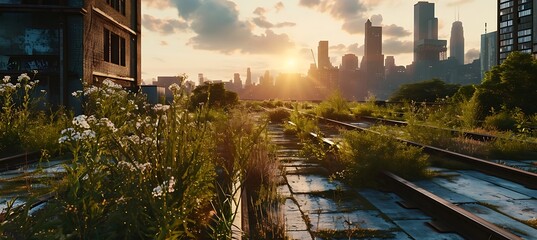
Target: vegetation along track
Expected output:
[450,217]
[470,135]
[522,177]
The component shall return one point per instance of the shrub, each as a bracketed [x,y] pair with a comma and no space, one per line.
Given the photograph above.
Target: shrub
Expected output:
[335,107]
[502,121]
[365,154]
[279,115]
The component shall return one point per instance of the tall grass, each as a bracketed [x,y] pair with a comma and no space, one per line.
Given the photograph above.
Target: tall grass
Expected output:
[23,127]
[365,154]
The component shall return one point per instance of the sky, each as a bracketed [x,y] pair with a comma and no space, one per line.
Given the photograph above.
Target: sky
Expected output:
[221,37]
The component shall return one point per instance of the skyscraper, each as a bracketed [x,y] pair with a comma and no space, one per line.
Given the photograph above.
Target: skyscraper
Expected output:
[488,55]
[516,27]
[456,42]
[322,55]
[248,78]
[373,61]
[427,47]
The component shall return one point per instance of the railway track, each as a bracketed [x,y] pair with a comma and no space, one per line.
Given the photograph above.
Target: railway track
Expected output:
[446,214]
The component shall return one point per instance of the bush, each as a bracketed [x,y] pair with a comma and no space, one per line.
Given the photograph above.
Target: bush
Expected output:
[502,121]
[365,154]
[279,115]
[335,107]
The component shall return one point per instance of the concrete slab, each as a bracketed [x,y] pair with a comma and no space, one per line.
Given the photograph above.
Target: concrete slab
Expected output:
[287,152]
[312,183]
[284,191]
[305,170]
[393,235]
[419,229]
[368,219]
[501,220]
[298,235]
[502,182]
[329,202]
[293,217]
[519,209]
[388,203]
[477,189]
[444,193]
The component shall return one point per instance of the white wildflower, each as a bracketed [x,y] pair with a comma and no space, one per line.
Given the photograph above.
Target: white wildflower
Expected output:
[157,191]
[90,90]
[18,85]
[27,87]
[174,87]
[43,91]
[23,77]
[111,84]
[107,123]
[2,90]
[161,108]
[126,165]
[171,185]
[81,121]
[6,79]
[87,134]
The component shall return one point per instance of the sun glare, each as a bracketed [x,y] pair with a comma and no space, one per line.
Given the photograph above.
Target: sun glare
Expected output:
[291,63]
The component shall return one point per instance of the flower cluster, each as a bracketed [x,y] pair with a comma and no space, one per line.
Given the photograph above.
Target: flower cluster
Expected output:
[70,134]
[166,185]
[142,167]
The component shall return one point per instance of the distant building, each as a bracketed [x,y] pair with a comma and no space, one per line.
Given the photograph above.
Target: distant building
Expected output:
[517,27]
[488,54]
[427,47]
[456,42]
[373,61]
[67,41]
[248,78]
[201,79]
[237,82]
[349,62]
[322,55]
[165,82]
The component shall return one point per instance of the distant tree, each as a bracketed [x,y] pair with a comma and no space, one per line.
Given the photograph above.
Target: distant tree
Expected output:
[427,91]
[213,94]
[513,84]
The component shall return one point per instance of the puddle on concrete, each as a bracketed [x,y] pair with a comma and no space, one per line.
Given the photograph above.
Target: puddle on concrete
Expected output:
[312,184]
[361,219]
[330,202]
[519,209]
[477,189]
[419,229]
[502,221]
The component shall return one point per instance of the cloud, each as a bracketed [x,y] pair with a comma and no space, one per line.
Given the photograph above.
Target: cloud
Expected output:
[351,12]
[471,55]
[262,22]
[309,3]
[285,24]
[158,4]
[356,49]
[395,31]
[163,26]
[279,6]
[260,11]
[392,46]
[376,20]
[217,27]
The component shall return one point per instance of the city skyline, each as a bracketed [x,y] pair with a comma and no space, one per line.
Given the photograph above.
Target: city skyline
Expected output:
[278,35]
